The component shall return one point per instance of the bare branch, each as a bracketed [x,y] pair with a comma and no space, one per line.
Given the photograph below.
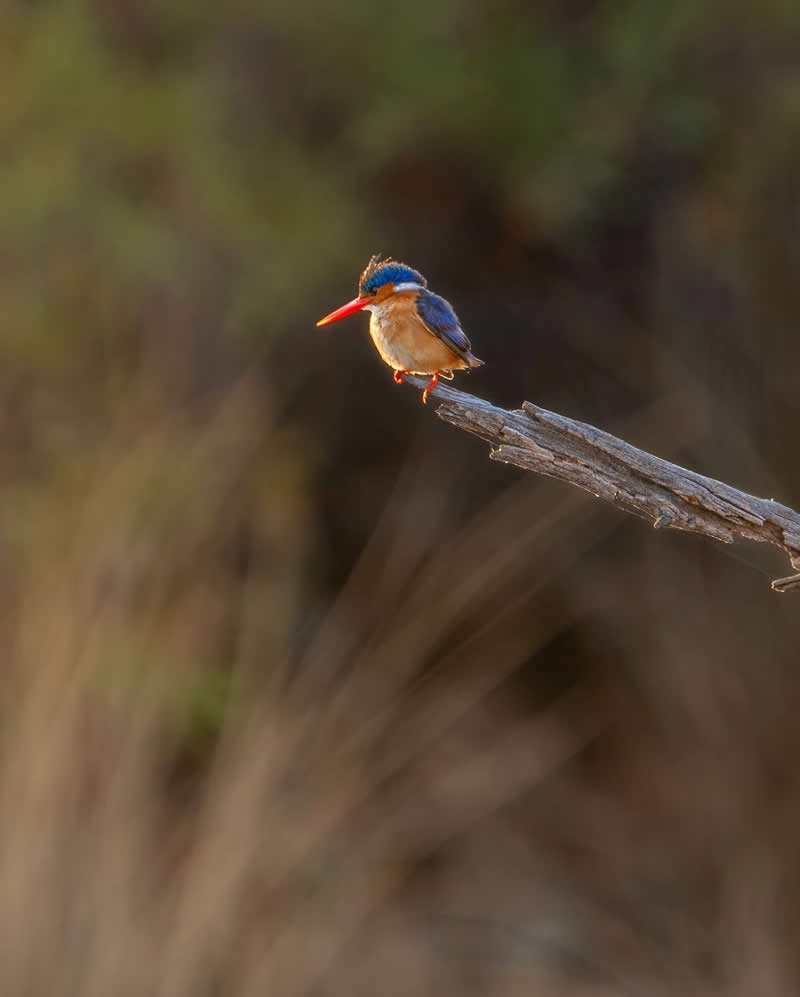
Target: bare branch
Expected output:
[629,478]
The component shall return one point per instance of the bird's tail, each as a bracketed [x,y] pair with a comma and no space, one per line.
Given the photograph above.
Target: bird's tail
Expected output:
[474,361]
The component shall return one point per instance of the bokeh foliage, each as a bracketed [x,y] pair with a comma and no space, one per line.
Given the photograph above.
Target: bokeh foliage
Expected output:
[286,661]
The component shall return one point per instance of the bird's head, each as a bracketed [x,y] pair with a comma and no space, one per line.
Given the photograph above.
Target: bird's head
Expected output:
[380,279]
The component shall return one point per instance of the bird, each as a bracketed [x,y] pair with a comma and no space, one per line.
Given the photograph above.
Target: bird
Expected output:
[414,330]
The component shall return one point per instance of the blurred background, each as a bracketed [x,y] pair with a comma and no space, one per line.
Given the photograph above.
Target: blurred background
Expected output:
[301,695]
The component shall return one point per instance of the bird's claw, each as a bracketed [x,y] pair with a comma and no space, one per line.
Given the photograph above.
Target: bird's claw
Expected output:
[433,382]
[399,379]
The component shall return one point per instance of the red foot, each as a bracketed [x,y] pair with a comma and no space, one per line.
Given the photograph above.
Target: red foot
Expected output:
[398,376]
[433,382]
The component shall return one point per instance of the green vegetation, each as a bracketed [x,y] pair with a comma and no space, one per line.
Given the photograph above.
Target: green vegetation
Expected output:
[300,694]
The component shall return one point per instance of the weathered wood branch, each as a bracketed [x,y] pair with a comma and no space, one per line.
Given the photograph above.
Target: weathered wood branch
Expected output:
[629,478]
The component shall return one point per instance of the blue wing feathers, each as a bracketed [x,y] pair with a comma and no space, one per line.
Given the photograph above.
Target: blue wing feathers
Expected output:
[442,321]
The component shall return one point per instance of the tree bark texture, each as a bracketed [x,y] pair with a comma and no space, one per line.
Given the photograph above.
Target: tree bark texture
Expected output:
[631,479]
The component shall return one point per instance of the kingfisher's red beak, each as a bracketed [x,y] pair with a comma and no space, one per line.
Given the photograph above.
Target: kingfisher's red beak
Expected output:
[352,306]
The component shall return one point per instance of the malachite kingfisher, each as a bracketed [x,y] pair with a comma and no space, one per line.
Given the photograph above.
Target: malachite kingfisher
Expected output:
[414,330]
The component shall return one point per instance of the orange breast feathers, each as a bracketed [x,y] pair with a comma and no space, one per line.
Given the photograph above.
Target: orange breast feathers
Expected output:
[404,342]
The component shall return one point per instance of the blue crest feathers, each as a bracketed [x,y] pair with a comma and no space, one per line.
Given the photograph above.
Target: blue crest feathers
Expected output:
[380,272]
